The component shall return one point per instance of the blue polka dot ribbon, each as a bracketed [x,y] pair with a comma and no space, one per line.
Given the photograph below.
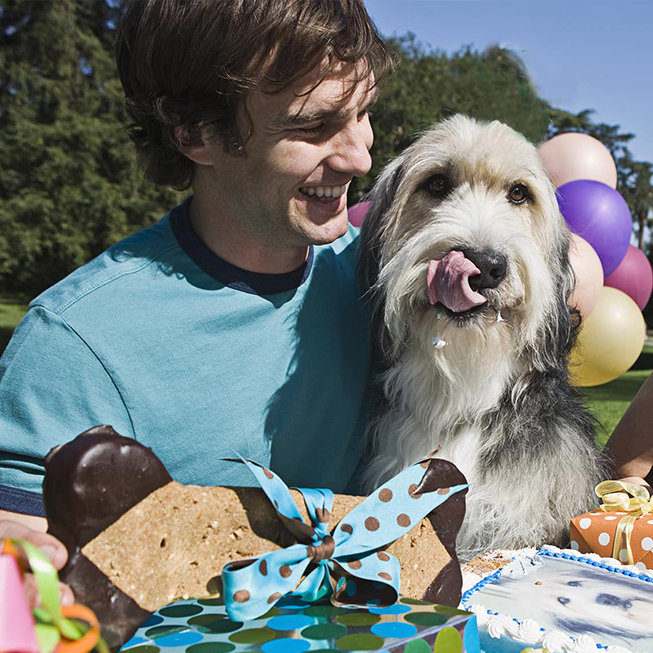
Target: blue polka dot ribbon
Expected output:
[348,564]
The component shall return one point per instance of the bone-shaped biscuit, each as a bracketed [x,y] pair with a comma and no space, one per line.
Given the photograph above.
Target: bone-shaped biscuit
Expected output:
[138,540]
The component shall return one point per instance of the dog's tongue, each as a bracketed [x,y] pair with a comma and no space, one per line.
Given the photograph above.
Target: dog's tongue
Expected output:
[447,282]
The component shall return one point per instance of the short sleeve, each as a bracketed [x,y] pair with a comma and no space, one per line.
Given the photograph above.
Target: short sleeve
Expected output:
[52,387]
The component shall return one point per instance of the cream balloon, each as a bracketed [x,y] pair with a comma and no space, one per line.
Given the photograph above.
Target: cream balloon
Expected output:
[589,275]
[610,340]
[571,156]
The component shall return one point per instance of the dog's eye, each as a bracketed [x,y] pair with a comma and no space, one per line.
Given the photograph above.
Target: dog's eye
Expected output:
[438,185]
[518,194]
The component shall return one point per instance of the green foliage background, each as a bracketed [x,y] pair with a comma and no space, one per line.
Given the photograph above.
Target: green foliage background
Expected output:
[71,184]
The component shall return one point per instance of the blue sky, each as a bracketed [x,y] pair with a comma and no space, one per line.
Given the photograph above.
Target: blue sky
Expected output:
[580,54]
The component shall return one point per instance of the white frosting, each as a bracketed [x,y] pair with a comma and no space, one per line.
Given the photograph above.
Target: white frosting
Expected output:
[529,631]
[556,642]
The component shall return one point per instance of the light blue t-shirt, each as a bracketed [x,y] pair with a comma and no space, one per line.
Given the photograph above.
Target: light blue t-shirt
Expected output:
[194,358]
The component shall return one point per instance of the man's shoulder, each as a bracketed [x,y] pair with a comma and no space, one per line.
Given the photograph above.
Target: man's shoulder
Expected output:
[110,271]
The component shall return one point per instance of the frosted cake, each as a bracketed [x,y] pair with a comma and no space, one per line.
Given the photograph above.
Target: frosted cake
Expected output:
[564,601]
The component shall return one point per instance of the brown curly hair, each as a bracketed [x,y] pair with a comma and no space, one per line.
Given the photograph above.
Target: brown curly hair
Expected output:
[188,64]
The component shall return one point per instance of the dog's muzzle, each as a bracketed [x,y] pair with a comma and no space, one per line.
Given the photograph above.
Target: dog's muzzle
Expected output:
[493,267]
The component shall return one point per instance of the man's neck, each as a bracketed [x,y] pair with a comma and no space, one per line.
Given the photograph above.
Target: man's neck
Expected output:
[240,247]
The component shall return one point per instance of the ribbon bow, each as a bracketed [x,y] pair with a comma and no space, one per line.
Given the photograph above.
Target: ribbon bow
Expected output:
[347,564]
[51,627]
[619,496]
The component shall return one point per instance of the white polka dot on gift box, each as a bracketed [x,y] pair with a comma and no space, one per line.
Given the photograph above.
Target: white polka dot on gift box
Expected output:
[641,544]
[604,539]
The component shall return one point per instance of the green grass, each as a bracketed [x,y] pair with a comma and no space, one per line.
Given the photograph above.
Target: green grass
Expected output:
[11,313]
[608,402]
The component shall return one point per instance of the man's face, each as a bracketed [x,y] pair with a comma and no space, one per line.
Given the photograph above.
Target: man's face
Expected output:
[290,187]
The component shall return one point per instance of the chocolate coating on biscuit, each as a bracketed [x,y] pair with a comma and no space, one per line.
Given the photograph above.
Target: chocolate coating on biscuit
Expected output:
[92,480]
[120,616]
[89,483]
[446,520]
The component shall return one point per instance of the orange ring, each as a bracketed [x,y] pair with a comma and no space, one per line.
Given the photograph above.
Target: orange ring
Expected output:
[9,548]
[90,638]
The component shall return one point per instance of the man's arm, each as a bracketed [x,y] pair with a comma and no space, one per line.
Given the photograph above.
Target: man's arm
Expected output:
[631,443]
[30,521]
[52,387]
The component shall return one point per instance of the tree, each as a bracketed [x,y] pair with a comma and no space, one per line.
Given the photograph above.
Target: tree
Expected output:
[428,86]
[71,183]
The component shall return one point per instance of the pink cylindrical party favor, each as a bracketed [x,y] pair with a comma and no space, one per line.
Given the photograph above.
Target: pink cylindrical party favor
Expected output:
[17,631]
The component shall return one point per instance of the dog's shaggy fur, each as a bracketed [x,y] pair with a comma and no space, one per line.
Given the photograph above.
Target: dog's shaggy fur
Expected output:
[496,397]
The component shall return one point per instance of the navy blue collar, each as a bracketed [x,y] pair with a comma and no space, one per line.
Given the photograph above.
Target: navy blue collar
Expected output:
[256,283]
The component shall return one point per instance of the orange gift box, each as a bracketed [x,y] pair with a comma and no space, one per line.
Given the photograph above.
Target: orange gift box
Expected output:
[621,528]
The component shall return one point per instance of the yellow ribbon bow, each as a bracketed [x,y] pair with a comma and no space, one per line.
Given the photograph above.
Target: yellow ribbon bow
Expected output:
[619,496]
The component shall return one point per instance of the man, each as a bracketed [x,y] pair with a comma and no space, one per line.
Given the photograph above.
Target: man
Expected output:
[631,443]
[234,325]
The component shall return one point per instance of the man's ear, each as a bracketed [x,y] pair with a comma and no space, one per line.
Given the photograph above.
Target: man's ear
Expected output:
[193,146]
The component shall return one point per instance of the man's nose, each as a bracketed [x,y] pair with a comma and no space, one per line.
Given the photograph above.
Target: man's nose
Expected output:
[351,148]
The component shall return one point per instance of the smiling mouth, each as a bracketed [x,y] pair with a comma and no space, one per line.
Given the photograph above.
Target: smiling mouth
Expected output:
[324,193]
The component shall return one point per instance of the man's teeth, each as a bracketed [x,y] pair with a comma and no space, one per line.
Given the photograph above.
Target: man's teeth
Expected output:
[324,191]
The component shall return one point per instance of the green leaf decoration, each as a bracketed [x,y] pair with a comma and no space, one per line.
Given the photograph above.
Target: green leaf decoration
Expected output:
[448,641]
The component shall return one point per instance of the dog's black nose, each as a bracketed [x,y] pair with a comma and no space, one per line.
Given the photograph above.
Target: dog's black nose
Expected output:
[493,266]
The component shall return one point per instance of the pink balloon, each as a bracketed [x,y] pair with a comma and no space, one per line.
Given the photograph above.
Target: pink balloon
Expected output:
[573,155]
[633,276]
[589,275]
[357,212]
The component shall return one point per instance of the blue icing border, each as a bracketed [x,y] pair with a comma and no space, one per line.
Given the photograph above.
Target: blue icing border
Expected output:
[479,586]
[581,557]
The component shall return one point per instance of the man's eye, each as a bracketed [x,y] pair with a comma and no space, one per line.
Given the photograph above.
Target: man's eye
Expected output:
[311,130]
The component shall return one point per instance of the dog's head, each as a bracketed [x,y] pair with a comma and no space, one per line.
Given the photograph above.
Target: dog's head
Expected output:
[464,238]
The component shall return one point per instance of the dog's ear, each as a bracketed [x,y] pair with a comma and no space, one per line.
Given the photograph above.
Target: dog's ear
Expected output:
[562,324]
[381,197]
[371,248]
[569,318]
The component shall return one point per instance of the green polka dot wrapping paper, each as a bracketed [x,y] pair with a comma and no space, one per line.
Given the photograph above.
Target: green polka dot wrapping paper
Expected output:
[295,626]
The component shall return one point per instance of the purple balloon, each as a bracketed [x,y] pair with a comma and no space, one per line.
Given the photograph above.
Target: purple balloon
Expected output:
[600,215]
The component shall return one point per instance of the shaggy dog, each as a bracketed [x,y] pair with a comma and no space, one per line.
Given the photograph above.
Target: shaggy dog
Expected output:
[466,255]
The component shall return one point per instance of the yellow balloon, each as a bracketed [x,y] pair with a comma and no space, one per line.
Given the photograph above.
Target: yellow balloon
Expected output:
[610,340]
